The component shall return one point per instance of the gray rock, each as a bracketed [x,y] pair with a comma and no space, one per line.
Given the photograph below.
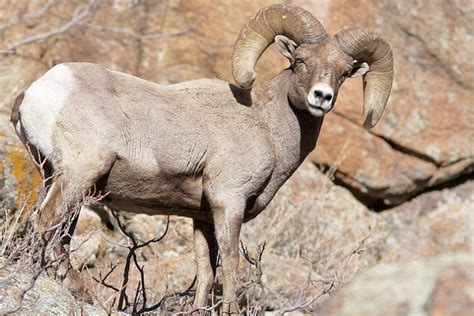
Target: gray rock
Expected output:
[437,286]
[47,297]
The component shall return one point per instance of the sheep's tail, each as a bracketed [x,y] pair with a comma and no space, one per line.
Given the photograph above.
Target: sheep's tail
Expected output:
[15,116]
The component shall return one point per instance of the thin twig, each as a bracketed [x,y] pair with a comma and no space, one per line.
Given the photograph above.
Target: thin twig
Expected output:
[140,292]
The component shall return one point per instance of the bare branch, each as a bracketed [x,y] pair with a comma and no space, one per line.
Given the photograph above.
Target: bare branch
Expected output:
[102,280]
[132,34]
[81,13]
[29,16]
[77,20]
[140,296]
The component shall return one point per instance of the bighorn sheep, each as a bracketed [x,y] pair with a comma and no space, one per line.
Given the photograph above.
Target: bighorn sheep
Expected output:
[203,149]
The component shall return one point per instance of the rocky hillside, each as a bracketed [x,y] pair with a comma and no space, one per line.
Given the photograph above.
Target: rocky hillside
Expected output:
[417,164]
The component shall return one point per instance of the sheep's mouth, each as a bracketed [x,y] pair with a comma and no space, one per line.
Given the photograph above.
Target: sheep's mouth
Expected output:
[319,110]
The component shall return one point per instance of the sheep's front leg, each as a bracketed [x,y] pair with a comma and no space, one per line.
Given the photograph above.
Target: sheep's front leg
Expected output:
[228,216]
[205,248]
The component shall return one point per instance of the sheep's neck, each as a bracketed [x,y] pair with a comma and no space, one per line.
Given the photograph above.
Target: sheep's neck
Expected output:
[294,132]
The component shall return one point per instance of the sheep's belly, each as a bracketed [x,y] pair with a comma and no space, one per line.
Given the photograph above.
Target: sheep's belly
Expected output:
[145,192]
[157,208]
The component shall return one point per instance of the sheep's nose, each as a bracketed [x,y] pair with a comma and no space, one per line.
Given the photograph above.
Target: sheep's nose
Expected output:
[321,97]
[324,95]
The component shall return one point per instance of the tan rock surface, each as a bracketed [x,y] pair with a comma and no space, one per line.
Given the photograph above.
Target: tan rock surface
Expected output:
[205,49]
[365,162]
[428,122]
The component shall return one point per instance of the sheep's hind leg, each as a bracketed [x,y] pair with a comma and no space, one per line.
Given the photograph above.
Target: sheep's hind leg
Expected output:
[205,248]
[59,212]
[57,218]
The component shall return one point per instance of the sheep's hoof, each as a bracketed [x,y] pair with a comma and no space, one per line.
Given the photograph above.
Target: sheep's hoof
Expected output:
[76,286]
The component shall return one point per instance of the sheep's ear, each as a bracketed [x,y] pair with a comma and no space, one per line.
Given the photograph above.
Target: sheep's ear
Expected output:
[359,69]
[286,47]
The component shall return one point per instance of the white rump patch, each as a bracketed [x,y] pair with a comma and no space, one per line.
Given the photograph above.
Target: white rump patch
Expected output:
[42,104]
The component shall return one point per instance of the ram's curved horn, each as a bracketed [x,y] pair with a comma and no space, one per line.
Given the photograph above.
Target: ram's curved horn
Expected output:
[260,31]
[370,47]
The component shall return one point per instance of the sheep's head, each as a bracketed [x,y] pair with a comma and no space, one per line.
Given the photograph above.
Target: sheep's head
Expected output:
[319,62]
[318,70]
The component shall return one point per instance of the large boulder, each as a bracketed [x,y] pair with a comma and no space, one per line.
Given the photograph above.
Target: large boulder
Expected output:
[429,225]
[198,39]
[45,297]
[436,286]
[424,138]
[435,229]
